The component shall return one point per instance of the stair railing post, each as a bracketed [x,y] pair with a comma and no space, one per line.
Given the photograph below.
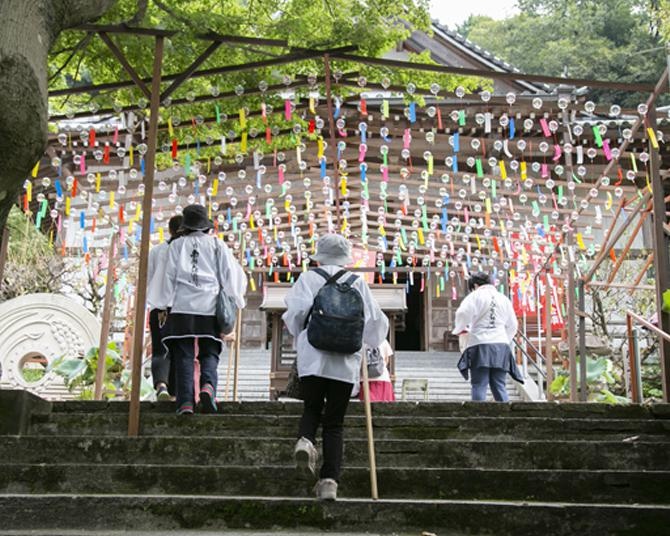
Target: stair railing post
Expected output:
[548,337]
[368,427]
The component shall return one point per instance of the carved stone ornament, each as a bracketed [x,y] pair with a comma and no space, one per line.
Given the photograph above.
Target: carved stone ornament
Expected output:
[36,329]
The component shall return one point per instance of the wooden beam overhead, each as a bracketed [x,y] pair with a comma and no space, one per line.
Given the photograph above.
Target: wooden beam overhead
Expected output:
[120,56]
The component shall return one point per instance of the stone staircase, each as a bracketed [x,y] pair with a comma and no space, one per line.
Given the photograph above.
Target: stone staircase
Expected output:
[447,468]
[445,383]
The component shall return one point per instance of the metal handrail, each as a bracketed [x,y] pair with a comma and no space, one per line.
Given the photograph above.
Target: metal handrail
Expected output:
[633,356]
[532,361]
[533,347]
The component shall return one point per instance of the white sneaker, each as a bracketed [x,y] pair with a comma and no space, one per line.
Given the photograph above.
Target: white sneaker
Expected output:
[305,457]
[326,489]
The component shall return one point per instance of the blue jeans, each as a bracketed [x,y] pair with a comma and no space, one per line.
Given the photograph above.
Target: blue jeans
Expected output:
[182,353]
[481,377]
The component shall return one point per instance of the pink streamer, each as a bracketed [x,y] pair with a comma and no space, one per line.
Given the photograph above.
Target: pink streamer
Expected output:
[607,150]
[557,152]
[280,173]
[406,139]
[545,171]
[82,163]
[385,173]
[116,135]
[287,109]
[545,127]
[362,149]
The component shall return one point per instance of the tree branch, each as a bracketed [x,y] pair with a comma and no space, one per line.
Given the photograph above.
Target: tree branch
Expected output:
[81,45]
[139,15]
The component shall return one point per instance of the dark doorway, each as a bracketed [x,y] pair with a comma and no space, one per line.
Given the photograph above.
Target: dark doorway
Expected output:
[409,330]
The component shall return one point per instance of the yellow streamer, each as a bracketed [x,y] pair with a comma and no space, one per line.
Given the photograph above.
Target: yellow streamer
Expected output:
[252,283]
[319,144]
[170,129]
[243,119]
[488,205]
[67,206]
[503,170]
[524,171]
[422,239]
[137,212]
[608,205]
[385,109]
[131,226]
[251,221]
[580,241]
[633,162]
[312,109]
[650,132]
[131,156]
[37,168]
[98,180]
[161,235]
[243,142]
[111,199]
[343,186]
[215,187]
[29,191]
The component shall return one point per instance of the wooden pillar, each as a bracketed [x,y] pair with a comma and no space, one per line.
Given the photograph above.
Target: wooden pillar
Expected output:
[583,388]
[570,317]
[548,343]
[141,290]
[106,320]
[661,256]
[4,246]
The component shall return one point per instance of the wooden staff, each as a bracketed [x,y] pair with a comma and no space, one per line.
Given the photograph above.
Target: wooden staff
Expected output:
[238,336]
[106,321]
[368,427]
[230,366]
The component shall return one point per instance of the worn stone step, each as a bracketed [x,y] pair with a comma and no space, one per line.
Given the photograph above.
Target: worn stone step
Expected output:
[142,512]
[385,426]
[499,454]
[651,487]
[564,410]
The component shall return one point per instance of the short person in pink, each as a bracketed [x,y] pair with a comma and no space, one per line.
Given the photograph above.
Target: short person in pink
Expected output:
[381,388]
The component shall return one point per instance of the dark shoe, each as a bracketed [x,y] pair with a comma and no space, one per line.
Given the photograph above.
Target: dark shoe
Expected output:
[185,409]
[208,399]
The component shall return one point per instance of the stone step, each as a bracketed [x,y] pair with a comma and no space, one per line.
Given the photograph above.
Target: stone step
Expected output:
[384,427]
[143,512]
[565,410]
[495,454]
[623,487]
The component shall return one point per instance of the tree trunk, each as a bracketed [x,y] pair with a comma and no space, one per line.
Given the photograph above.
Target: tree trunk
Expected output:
[29,28]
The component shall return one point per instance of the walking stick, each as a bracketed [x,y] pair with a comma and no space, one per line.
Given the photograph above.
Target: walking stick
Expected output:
[368,426]
[230,366]
[238,336]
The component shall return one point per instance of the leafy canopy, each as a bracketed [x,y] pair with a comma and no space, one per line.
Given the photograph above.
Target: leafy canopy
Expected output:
[582,38]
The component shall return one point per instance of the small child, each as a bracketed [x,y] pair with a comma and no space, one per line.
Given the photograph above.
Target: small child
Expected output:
[381,388]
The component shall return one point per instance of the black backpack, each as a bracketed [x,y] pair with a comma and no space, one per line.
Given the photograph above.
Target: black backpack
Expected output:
[337,317]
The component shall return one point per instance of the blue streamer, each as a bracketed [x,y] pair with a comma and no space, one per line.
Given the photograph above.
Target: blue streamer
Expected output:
[454,164]
[457,142]
[512,128]
[59,189]
[364,176]
[82,219]
[323,167]
[412,112]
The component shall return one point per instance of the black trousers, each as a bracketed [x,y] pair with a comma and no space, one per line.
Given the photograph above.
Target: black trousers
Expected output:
[325,403]
[162,370]
[182,352]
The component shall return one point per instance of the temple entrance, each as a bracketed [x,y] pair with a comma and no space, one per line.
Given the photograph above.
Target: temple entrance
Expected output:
[409,329]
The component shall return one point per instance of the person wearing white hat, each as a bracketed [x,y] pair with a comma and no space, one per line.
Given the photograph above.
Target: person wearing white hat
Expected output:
[327,378]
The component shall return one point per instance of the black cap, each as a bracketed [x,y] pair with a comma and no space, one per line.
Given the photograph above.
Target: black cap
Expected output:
[478,279]
[195,219]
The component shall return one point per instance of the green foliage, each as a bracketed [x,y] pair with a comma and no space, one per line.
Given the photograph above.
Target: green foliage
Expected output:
[373,26]
[601,378]
[585,38]
[79,374]
[32,264]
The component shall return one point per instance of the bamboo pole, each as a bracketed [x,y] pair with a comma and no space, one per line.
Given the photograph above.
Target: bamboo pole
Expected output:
[106,321]
[548,342]
[141,291]
[570,309]
[333,141]
[368,427]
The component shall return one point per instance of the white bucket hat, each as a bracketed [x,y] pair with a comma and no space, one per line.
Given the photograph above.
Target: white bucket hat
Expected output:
[333,249]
